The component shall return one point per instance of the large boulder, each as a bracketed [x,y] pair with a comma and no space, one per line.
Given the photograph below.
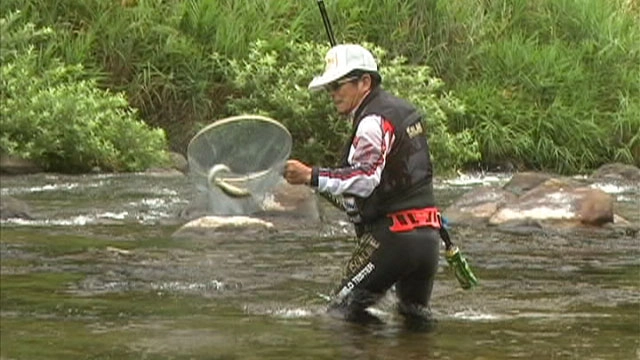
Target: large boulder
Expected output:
[478,205]
[179,162]
[178,166]
[534,200]
[617,171]
[556,200]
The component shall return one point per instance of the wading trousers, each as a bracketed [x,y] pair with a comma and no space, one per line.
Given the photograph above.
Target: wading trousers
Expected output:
[408,260]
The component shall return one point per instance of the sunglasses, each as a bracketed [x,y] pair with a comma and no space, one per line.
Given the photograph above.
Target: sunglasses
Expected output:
[334,86]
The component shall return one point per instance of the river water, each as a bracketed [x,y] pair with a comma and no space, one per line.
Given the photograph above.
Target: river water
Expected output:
[98,276]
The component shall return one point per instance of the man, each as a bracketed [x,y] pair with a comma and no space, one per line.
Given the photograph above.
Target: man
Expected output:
[385,179]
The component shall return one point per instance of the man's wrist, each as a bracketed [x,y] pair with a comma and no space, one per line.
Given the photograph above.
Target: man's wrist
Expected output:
[315,173]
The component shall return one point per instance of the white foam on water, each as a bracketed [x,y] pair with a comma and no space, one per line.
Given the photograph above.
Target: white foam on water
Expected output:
[269,203]
[611,188]
[157,203]
[295,313]
[188,286]
[378,312]
[324,296]
[292,313]
[153,203]
[537,315]
[466,180]
[618,191]
[110,215]
[34,189]
[165,191]
[79,220]
[74,221]
[474,315]
[53,187]
[152,209]
[50,187]
[625,198]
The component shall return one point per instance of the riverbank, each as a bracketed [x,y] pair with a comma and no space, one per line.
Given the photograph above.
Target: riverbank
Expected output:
[550,86]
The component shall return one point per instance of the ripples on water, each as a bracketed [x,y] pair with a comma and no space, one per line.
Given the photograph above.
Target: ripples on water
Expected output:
[99,259]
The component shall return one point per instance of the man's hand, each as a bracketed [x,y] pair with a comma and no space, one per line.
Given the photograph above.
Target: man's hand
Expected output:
[297,173]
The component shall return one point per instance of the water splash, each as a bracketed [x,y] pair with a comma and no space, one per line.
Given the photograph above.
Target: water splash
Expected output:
[474,315]
[473,179]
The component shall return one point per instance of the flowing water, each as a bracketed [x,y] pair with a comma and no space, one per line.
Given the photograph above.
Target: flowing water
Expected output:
[98,276]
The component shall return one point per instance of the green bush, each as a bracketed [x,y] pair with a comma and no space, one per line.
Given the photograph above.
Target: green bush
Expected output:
[549,84]
[273,81]
[58,118]
[555,92]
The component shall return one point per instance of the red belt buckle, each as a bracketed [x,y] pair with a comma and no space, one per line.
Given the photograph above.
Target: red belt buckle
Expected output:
[408,220]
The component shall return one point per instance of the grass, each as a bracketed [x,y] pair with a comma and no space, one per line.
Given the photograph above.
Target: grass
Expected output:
[551,84]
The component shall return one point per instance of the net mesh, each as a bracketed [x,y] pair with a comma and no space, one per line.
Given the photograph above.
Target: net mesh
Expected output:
[234,162]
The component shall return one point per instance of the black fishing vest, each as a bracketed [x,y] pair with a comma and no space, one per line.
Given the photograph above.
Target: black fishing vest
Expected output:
[406,181]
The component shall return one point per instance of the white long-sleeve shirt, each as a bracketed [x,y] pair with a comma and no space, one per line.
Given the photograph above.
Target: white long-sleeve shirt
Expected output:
[367,158]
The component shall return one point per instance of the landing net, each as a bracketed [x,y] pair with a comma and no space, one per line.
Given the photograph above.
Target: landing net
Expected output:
[235,162]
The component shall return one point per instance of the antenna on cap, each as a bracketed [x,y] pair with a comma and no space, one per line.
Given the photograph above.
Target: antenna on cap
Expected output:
[327,23]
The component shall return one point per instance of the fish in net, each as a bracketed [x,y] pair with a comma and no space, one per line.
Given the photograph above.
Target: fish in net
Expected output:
[235,162]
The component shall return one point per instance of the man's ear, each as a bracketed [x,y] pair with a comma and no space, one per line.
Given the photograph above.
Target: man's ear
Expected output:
[366,81]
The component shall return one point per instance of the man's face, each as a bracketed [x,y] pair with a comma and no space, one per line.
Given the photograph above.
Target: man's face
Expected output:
[347,93]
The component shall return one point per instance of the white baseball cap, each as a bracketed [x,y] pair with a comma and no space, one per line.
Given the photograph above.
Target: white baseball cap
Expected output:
[341,60]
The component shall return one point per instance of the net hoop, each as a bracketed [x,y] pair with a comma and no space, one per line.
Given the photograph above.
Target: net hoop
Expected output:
[231,120]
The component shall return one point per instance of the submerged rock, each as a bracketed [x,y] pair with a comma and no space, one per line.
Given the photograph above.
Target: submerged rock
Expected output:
[535,201]
[12,208]
[210,226]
